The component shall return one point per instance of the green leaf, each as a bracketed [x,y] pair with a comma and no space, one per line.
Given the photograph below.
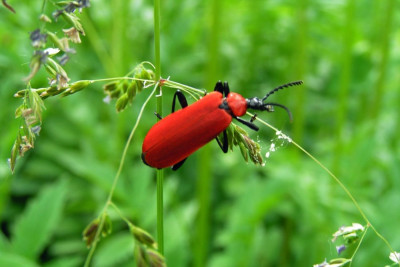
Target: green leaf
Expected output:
[14,260]
[69,261]
[15,152]
[4,244]
[114,250]
[39,221]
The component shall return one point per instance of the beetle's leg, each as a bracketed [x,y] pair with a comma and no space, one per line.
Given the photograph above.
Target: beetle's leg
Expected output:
[223,88]
[158,115]
[219,87]
[253,118]
[224,145]
[181,98]
[248,123]
[226,89]
[183,102]
[178,165]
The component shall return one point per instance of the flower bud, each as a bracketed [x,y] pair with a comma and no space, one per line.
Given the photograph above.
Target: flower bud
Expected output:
[143,237]
[45,18]
[57,42]
[124,86]
[90,232]
[77,86]
[74,20]
[121,102]
[147,74]
[107,226]
[131,90]
[14,153]
[140,255]
[110,87]
[155,258]
[73,35]
[243,151]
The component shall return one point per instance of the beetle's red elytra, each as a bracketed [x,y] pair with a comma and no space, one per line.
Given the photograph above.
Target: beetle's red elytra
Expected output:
[174,138]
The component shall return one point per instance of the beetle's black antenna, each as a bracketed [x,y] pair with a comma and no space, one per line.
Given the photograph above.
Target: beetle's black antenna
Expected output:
[282,87]
[267,106]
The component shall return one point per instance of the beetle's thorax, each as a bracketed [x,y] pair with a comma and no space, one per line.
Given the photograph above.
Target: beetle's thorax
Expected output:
[234,104]
[258,104]
[254,103]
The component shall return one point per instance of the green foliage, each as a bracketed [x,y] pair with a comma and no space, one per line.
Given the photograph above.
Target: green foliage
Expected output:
[35,227]
[32,232]
[118,249]
[279,214]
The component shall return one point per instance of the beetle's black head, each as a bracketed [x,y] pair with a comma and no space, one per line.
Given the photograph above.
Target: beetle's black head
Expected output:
[259,104]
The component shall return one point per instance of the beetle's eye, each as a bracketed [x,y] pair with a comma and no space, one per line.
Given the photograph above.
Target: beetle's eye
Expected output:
[269,108]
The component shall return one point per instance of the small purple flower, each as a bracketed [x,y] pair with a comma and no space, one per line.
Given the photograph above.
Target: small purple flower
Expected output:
[36,129]
[41,56]
[37,38]
[73,34]
[340,249]
[70,7]
[57,13]
[84,3]
[63,59]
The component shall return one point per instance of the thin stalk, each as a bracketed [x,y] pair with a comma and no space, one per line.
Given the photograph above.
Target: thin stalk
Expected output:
[359,244]
[205,178]
[385,38]
[343,96]
[160,173]
[43,6]
[300,66]
[363,215]
[115,181]
[98,45]
[160,211]
[118,30]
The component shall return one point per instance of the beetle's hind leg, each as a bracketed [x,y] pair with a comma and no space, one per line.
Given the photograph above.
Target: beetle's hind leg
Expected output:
[158,116]
[178,165]
[181,98]
[183,102]
[224,144]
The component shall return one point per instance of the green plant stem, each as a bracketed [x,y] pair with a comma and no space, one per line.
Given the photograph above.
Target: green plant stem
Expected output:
[118,31]
[116,178]
[160,173]
[160,211]
[43,6]
[385,37]
[359,244]
[300,64]
[337,181]
[98,45]
[120,213]
[345,80]
[157,36]
[205,178]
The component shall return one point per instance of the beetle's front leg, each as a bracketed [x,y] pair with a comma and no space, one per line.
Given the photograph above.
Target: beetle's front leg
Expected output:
[249,124]
[223,88]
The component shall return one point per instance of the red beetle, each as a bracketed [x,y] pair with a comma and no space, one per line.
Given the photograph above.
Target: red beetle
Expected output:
[175,137]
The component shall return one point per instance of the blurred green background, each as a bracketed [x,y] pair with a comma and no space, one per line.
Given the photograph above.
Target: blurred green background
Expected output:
[219,210]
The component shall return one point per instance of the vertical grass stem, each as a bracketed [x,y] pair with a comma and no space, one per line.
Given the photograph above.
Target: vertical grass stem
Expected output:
[160,173]
[115,181]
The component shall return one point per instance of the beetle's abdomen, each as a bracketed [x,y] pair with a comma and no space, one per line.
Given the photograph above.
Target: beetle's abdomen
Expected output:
[181,133]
